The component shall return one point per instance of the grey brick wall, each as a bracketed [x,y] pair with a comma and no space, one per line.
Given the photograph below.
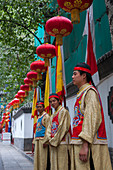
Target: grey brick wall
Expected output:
[23,144]
[111,155]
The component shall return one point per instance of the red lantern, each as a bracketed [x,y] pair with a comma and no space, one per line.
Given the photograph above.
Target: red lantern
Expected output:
[33,76]
[17,96]
[16,102]
[46,51]
[21,94]
[74,7]
[59,27]
[13,103]
[7,120]
[7,117]
[29,82]
[39,67]
[3,117]
[8,113]
[8,106]
[25,88]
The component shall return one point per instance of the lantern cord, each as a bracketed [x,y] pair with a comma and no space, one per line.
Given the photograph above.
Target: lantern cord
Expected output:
[58,10]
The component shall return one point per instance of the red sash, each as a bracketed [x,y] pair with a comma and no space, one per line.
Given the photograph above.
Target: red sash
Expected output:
[101,133]
[54,126]
[79,117]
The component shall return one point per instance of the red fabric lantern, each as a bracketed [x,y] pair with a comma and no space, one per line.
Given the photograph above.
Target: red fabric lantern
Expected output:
[74,7]
[25,88]
[59,27]
[3,117]
[11,103]
[33,76]
[17,96]
[7,117]
[21,94]
[46,51]
[8,113]
[39,67]
[7,120]
[15,103]
[29,82]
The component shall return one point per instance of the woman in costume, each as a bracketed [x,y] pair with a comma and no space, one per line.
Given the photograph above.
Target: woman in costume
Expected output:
[57,134]
[40,155]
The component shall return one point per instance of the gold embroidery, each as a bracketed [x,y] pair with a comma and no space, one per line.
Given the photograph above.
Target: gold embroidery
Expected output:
[49,55]
[68,5]
[85,6]
[42,55]
[67,10]
[77,3]
[55,30]
[51,33]
[63,31]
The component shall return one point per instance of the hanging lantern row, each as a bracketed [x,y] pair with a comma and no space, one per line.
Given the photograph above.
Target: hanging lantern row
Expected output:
[74,7]
[31,80]
[59,27]
[5,120]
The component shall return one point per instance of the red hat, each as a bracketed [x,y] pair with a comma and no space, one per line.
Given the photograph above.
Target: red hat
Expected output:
[40,102]
[83,67]
[54,95]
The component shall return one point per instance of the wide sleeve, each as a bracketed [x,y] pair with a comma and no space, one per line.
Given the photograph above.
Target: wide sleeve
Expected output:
[46,120]
[92,116]
[64,124]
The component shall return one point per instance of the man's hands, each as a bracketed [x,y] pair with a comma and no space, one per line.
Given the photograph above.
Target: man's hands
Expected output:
[83,155]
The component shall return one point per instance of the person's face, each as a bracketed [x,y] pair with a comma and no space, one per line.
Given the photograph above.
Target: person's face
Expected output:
[40,108]
[78,79]
[54,103]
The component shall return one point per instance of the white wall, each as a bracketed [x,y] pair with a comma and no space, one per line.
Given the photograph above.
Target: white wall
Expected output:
[28,126]
[23,126]
[18,131]
[104,89]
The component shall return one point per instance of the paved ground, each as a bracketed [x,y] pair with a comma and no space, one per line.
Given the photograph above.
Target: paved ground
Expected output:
[12,159]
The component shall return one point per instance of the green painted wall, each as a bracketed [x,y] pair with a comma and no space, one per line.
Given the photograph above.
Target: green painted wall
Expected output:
[75,43]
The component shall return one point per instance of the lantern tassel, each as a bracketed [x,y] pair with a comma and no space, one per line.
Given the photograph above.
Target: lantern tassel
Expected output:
[75,16]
